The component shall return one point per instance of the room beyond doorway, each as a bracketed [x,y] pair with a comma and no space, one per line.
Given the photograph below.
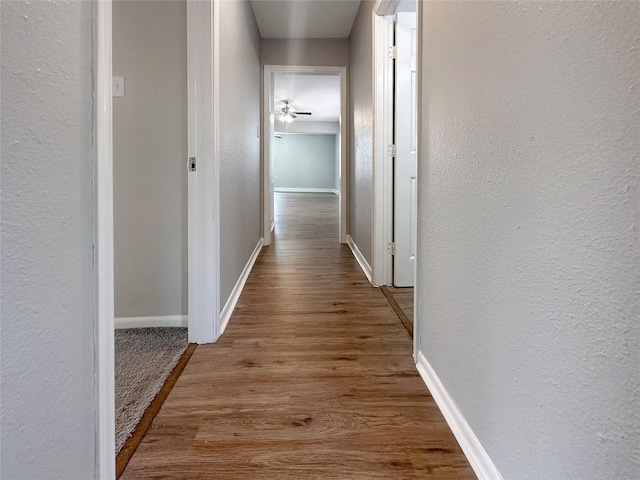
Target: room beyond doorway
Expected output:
[275,101]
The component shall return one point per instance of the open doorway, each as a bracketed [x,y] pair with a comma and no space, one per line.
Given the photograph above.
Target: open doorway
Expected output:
[306,140]
[150,141]
[395,235]
[305,111]
[203,312]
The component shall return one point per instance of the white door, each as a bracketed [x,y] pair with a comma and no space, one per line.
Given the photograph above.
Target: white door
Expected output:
[404,183]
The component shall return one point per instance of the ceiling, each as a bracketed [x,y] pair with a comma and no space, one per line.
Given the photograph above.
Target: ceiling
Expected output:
[318,94]
[305,18]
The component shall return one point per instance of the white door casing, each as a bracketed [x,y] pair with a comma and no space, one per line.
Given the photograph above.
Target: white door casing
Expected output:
[204,182]
[383,124]
[382,227]
[405,188]
[105,466]
[203,198]
[267,148]
[419,166]
[272,170]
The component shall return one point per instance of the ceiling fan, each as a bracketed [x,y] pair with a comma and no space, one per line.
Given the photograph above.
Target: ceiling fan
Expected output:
[289,113]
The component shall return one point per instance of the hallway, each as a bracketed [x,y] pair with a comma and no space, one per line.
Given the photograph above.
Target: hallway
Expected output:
[313,377]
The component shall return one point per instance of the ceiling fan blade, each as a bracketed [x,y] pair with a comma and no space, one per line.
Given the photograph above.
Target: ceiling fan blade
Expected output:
[303,113]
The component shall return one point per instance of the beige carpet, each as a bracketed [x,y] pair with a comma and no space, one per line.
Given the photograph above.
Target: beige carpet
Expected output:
[144,359]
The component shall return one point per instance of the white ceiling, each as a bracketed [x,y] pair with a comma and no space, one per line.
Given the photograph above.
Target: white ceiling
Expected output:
[318,94]
[305,18]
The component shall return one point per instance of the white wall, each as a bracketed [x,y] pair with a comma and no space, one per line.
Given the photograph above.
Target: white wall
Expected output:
[150,152]
[361,130]
[305,161]
[330,52]
[240,146]
[529,272]
[47,377]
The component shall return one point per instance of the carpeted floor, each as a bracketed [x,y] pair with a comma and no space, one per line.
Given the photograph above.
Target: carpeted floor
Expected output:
[144,359]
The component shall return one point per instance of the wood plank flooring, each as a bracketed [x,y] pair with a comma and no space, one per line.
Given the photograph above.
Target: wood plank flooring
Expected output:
[313,378]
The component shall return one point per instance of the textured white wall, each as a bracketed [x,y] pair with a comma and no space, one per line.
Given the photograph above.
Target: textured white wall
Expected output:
[305,161]
[47,379]
[529,272]
[240,145]
[150,152]
[361,130]
[330,52]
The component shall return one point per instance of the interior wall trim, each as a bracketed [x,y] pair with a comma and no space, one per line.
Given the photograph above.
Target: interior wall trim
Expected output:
[364,265]
[382,226]
[203,70]
[225,315]
[478,457]
[103,321]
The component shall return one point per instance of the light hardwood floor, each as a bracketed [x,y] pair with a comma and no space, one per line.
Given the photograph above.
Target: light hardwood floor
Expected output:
[313,378]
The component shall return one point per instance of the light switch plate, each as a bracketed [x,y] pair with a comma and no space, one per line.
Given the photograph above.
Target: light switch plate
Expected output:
[118,86]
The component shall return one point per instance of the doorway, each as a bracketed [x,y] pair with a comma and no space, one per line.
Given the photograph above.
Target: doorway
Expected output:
[150,136]
[274,110]
[395,137]
[203,311]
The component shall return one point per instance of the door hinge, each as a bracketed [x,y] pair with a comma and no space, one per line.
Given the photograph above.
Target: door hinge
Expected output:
[391,248]
[393,52]
[192,164]
[391,150]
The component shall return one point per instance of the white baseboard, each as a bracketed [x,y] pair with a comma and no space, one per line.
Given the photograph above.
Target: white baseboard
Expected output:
[225,315]
[364,265]
[306,190]
[479,459]
[145,322]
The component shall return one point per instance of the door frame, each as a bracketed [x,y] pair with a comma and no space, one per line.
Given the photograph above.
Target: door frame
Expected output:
[203,67]
[203,244]
[103,317]
[267,126]
[419,190]
[383,33]
[383,12]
